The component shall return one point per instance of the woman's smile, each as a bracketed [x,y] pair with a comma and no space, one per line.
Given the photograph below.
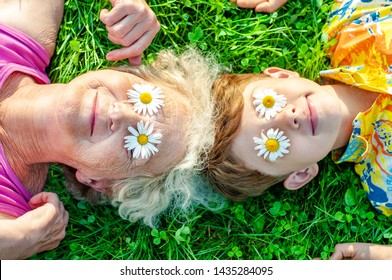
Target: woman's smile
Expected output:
[94,113]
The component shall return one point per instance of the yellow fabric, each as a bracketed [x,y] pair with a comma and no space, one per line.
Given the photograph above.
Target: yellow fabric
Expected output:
[362,57]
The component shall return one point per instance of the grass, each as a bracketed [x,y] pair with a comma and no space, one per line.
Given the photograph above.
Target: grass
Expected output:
[279,225]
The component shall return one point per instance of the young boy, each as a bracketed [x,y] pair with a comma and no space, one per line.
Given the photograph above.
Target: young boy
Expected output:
[288,123]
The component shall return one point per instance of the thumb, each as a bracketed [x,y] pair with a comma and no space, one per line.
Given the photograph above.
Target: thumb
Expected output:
[42,198]
[265,7]
[337,255]
[136,60]
[268,7]
[103,15]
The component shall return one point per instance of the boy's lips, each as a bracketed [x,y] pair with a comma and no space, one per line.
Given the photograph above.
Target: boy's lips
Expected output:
[312,116]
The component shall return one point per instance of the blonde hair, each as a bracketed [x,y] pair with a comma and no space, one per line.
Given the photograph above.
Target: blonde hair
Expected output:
[229,176]
[177,190]
[146,198]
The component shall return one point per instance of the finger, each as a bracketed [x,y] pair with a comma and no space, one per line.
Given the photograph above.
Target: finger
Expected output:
[61,213]
[103,15]
[66,219]
[43,198]
[233,1]
[123,27]
[249,3]
[136,49]
[269,6]
[121,11]
[336,255]
[135,61]
[343,251]
[59,231]
[148,30]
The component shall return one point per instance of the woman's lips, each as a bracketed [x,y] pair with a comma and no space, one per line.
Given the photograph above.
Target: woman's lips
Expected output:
[94,113]
[313,116]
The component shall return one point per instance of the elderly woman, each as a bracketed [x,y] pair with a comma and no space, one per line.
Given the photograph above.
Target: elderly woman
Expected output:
[133,135]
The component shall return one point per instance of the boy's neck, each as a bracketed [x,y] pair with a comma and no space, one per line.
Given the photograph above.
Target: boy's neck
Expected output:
[353,101]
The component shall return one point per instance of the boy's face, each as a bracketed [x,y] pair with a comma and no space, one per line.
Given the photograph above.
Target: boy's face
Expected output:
[311,120]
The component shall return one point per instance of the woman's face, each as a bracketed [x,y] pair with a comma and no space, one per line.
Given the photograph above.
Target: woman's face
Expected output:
[94,115]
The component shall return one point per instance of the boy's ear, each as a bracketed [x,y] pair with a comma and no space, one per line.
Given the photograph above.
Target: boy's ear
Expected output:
[298,179]
[278,73]
[100,185]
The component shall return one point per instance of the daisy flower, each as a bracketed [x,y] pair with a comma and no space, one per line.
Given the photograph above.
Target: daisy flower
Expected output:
[142,140]
[146,98]
[272,145]
[268,103]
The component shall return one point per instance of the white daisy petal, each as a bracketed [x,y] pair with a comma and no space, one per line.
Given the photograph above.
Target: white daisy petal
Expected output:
[258,141]
[152,148]
[129,139]
[268,103]
[154,140]
[142,141]
[149,129]
[136,151]
[133,131]
[146,98]
[273,156]
[273,145]
[144,152]
[140,127]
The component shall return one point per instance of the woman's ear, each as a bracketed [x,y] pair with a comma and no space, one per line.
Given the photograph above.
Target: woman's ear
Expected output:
[100,185]
[278,73]
[298,179]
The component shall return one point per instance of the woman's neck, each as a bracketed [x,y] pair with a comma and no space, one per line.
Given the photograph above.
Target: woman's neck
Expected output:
[353,101]
[25,117]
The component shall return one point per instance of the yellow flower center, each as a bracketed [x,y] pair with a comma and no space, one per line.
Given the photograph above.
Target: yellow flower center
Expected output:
[268,101]
[145,97]
[272,145]
[142,139]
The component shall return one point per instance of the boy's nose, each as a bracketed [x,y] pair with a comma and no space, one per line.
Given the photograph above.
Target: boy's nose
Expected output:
[289,117]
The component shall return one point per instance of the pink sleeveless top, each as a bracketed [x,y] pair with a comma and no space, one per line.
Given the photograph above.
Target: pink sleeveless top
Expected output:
[18,53]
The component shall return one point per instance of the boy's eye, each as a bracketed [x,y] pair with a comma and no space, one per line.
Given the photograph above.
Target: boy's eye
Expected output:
[268,103]
[273,145]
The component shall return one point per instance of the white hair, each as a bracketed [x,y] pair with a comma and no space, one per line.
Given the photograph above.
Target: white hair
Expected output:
[177,190]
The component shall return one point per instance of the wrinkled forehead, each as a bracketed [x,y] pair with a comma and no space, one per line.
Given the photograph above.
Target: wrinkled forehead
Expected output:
[176,116]
[176,112]
[172,122]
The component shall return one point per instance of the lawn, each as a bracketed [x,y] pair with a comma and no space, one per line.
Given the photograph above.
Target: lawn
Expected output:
[280,224]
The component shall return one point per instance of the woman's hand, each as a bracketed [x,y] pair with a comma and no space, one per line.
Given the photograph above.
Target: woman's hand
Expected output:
[362,251]
[38,230]
[261,6]
[132,24]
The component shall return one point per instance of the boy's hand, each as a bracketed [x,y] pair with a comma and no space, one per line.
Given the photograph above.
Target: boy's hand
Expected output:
[132,24]
[362,251]
[264,6]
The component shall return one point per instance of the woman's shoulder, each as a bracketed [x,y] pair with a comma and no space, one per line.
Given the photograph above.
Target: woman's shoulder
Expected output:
[38,19]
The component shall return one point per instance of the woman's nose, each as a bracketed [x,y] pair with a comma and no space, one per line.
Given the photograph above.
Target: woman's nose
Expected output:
[121,114]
